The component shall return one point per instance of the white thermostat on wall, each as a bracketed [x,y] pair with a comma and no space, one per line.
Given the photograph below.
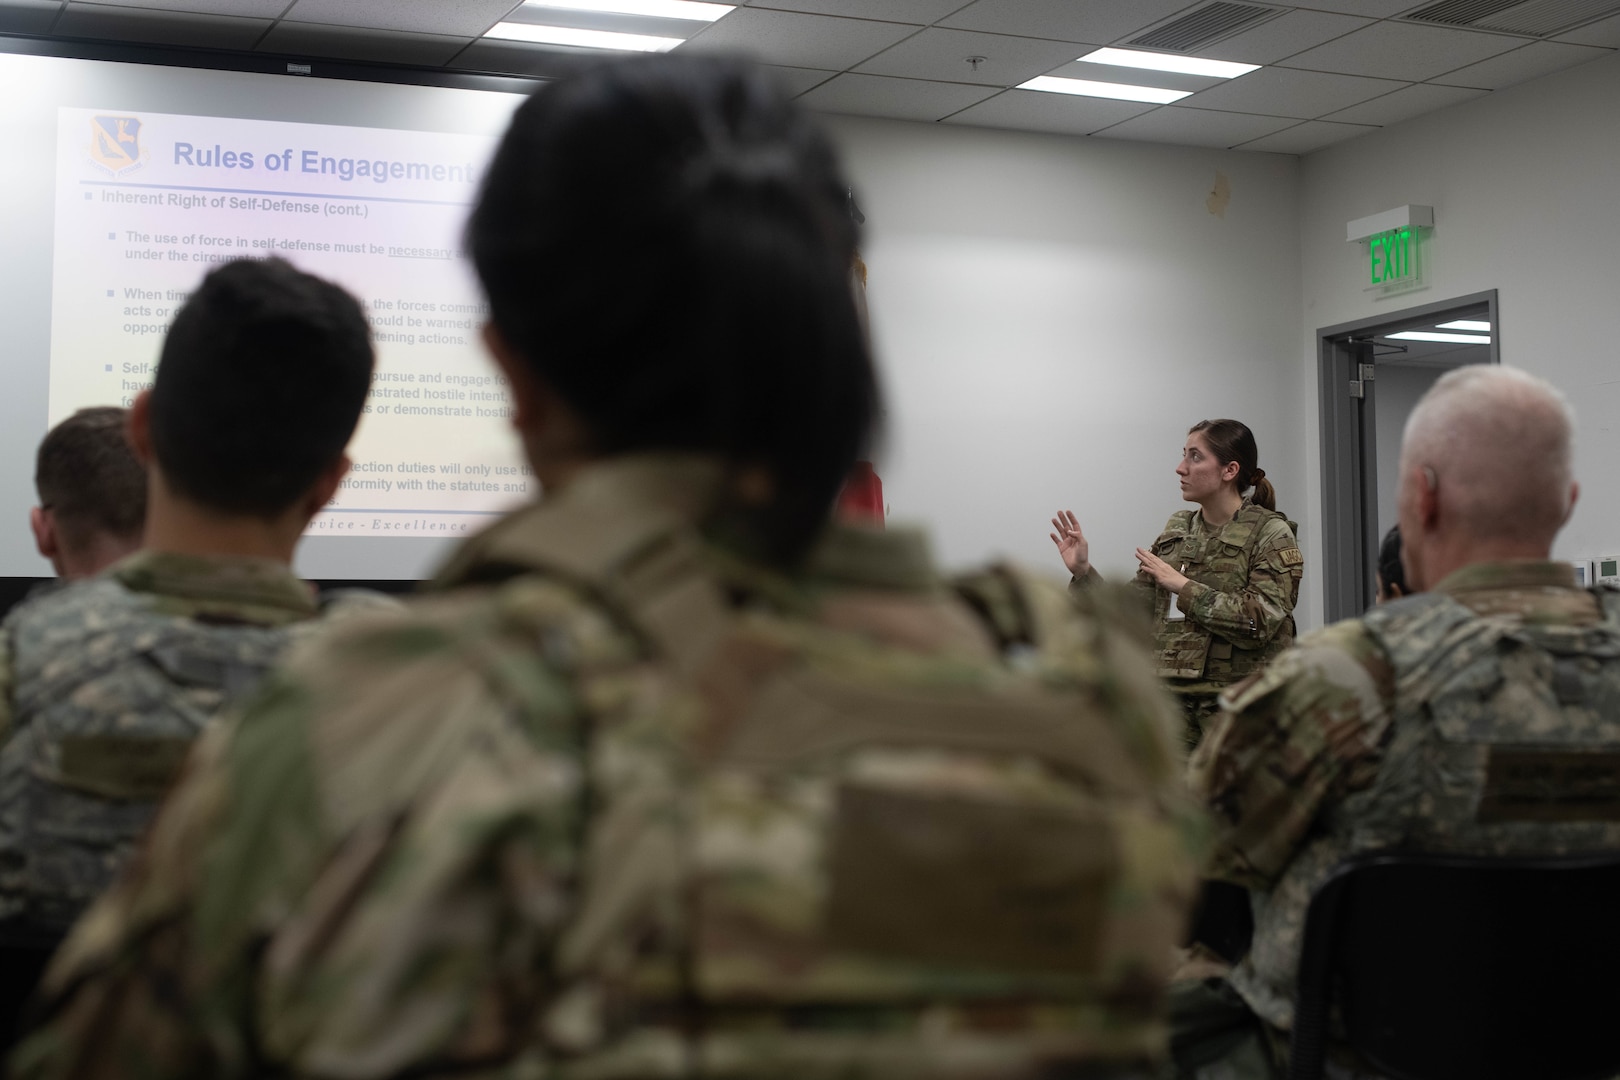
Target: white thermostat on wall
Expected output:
[1606,569]
[1583,572]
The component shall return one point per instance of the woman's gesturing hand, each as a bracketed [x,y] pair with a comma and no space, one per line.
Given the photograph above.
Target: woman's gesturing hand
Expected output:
[1165,575]
[1071,543]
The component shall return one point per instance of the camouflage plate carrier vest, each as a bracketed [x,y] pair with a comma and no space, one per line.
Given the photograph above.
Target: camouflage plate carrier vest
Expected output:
[1507,733]
[1221,560]
[1506,740]
[857,859]
[109,695]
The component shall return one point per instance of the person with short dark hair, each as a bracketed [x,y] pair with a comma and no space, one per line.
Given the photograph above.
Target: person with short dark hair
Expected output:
[674,776]
[258,390]
[1391,575]
[92,493]
[1221,581]
[107,681]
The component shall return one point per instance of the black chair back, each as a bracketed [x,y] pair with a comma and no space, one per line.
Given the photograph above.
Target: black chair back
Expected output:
[1443,966]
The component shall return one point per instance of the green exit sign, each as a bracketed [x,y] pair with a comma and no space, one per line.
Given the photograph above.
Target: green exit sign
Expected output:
[1393,258]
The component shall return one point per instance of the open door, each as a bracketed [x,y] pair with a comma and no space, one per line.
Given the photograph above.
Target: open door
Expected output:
[1402,354]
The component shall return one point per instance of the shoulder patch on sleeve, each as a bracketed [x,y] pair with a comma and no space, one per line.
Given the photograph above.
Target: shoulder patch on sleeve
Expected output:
[1292,556]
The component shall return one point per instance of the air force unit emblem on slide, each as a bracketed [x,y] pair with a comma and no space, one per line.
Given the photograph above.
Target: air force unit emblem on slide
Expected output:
[116,143]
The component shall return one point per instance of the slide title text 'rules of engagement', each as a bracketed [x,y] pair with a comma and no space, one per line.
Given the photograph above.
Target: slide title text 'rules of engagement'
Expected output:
[313,162]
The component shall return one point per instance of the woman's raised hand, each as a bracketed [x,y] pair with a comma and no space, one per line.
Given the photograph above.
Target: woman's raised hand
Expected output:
[1071,543]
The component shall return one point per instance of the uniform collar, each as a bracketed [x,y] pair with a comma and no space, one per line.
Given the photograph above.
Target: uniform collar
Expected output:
[648,492]
[263,586]
[1514,574]
[614,501]
[894,558]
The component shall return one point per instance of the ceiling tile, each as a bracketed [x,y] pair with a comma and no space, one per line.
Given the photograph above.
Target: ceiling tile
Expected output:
[1196,127]
[28,16]
[1604,32]
[1303,138]
[1404,104]
[919,12]
[159,27]
[1284,92]
[941,54]
[1393,50]
[1373,9]
[353,43]
[1532,61]
[797,80]
[1032,110]
[1276,39]
[1066,20]
[253,9]
[795,40]
[462,18]
[899,99]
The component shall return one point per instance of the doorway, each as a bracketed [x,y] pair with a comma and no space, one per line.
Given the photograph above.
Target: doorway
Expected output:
[1370,374]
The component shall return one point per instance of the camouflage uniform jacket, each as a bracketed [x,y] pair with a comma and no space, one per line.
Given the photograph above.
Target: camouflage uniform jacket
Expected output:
[1238,603]
[106,684]
[1482,717]
[619,804]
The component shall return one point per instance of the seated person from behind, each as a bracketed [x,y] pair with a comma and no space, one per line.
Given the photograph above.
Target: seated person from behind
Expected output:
[673,777]
[108,681]
[1391,576]
[1335,749]
[92,493]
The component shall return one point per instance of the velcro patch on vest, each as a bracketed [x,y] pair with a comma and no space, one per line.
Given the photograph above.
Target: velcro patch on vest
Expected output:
[978,884]
[1550,786]
[1292,557]
[122,766]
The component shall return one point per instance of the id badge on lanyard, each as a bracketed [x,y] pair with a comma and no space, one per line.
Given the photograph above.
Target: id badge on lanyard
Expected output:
[1173,612]
[1173,608]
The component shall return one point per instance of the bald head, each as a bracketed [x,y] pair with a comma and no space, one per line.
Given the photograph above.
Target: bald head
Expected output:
[1486,461]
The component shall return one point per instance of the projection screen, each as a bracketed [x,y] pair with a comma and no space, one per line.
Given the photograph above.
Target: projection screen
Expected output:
[121,184]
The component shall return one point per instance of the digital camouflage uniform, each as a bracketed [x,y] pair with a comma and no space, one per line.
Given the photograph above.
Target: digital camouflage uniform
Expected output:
[1243,583]
[106,683]
[618,804]
[1482,717]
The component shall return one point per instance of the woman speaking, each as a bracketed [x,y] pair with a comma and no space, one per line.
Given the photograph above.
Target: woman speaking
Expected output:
[1222,580]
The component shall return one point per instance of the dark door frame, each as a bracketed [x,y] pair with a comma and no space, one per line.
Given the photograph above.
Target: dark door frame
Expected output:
[1349,467]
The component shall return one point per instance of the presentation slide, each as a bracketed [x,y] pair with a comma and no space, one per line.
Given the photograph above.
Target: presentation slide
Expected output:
[146,203]
[123,184]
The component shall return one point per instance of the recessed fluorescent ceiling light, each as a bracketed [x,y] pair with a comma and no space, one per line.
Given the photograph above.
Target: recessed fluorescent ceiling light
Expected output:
[657,9]
[1467,324]
[587,39]
[1183,65]
[1086,88]
[1424,335]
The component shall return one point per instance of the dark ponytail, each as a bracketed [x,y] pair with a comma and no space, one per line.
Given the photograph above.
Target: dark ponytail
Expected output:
[1231,440]
[665,241]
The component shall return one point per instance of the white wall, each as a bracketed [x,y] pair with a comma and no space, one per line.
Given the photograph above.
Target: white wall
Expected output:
[1052,314]
[1523,188]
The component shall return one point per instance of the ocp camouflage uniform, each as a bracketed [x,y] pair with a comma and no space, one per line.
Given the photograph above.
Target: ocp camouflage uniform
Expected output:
[1482,717]
[620,804]
[1238,603]
[106,683]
